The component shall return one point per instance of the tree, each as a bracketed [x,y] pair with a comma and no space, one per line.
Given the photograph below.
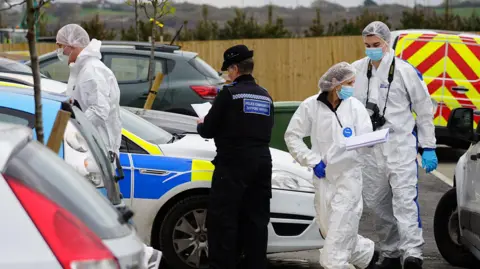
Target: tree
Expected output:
[160,9]
[32,10]
[413,19]
[144,32]
[96,29]
[187,34]
[43,23]
[276,30]
[136,29]
[369,3]
[205,30]
[241,27]
[317,28]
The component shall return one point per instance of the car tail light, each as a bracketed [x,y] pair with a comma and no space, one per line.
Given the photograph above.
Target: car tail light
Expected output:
[206,92]
[72,242]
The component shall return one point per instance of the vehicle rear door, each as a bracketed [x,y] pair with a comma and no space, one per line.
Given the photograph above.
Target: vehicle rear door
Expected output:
[462,84]
[469,197]
[131,71]
[427,53]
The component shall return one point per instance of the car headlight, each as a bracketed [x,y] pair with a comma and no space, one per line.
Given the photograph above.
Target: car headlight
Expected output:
[94,173]
[96,179]
[284,180]
[76,141]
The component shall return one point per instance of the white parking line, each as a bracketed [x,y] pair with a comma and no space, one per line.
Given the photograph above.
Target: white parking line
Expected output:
[436,173]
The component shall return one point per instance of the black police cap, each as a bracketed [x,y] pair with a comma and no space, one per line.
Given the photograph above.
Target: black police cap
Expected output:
[235,54]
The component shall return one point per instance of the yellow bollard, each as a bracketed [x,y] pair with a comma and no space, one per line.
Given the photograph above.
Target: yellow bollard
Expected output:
[152,94]
[58,131]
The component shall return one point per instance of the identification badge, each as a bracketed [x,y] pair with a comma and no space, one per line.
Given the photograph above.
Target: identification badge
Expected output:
[347,132]
[259,107]
[383,86]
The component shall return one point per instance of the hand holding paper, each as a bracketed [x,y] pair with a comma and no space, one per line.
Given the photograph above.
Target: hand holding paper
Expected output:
[367,140]
[202,109]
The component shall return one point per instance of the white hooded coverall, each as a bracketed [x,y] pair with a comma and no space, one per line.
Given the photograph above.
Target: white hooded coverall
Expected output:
[390,173]
[338,197]
[94,86]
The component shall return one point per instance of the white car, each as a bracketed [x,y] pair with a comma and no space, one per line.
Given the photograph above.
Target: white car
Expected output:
[457,216]
[166,183]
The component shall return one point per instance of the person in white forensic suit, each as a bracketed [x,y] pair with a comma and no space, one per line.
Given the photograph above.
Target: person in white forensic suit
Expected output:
[391,89]
[94,89]
[330,118]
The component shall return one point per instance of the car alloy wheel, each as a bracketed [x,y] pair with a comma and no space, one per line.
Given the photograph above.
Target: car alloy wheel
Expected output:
[453,228]
[190,238]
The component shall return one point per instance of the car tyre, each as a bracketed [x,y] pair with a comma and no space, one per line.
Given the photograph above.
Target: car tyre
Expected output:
[449,247]
[172,232]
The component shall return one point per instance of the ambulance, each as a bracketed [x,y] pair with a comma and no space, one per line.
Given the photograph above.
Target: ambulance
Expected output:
[450,64]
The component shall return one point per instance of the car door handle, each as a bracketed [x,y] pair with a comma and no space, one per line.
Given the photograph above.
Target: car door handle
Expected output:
[459,89]
[153,172]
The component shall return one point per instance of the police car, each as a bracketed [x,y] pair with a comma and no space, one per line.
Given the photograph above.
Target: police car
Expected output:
[167,180]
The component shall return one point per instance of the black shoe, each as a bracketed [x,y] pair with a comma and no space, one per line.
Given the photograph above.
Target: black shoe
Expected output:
[390,263]
[374,260]
[412,263]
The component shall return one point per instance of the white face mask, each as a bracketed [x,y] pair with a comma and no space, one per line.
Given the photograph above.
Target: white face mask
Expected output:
[62,57]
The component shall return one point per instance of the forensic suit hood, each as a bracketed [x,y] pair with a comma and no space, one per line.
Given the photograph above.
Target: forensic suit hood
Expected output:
[338,197]
[95,88]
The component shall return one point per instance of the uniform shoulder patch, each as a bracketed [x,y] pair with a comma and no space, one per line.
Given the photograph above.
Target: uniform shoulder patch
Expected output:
[256,106]
[251,96]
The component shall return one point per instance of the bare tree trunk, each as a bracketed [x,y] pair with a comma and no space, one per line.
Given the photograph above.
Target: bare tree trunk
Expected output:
[152,50]
[35,70]
[136,20]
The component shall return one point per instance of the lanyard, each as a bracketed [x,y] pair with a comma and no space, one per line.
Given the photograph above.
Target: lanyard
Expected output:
[391,72]
[335,112]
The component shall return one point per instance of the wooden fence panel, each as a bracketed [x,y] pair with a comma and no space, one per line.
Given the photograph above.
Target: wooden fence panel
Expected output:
[288,68]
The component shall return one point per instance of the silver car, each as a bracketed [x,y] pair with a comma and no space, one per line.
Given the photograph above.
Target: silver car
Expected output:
[52,217]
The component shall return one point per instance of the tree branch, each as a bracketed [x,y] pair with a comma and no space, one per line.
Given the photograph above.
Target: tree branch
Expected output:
[10,6]
[146,12]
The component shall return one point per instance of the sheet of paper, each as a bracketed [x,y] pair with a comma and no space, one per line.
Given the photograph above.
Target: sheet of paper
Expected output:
[367,140]
[202,109]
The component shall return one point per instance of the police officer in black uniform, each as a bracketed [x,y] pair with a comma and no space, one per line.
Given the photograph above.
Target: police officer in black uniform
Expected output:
[240,122]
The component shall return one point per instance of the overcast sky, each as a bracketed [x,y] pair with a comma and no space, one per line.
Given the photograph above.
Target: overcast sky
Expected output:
[289,3]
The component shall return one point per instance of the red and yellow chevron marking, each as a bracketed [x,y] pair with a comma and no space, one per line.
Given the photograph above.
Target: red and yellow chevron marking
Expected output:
[446,61]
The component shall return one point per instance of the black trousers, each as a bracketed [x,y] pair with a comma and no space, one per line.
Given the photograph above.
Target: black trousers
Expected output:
[238,214]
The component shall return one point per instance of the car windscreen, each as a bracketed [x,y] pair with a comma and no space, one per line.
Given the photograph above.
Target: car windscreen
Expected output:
[10,65]
[204,68]
[42,170]
[144,129]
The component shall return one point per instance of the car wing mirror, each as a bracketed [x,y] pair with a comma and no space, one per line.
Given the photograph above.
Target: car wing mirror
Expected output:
[460,124]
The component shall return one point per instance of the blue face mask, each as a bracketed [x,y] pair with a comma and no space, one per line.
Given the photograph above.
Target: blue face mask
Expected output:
[345,92]
[376,54]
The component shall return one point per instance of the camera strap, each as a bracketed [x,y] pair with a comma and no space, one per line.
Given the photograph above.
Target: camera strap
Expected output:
[391,73]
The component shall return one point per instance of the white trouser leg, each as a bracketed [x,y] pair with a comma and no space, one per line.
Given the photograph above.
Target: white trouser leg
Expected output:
[377,195]
[342,208]
[403,179]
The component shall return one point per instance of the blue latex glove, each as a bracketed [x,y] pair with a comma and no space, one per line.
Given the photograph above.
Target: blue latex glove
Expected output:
[319,170]
[429,160]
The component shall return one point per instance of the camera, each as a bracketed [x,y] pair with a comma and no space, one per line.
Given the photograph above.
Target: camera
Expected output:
[374,112]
